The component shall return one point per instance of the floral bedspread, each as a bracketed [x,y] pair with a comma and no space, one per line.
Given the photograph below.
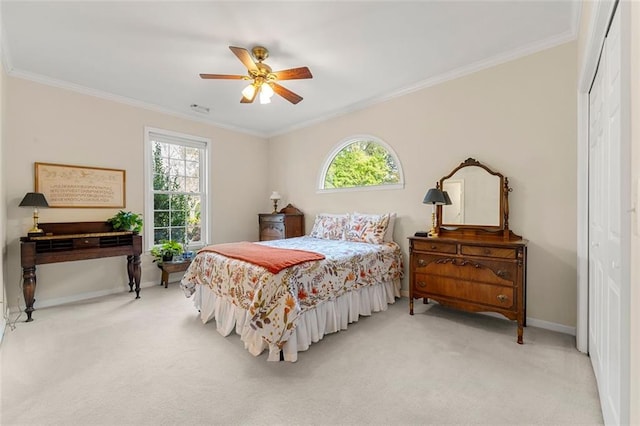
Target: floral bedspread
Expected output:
[274,301]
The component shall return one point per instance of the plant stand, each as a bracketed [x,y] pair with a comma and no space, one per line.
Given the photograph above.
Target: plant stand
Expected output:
[171,267]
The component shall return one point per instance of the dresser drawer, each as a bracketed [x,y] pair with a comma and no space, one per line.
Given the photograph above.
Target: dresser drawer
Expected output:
[272,218]
[271,231]
[503,253]
[435,246]
[463,291]
[88,242]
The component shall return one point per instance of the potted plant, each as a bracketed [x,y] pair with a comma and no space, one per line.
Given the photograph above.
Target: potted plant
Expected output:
[126,221]
[166,250]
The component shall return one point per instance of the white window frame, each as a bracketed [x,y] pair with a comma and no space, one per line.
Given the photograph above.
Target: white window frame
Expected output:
[186,140]
[348,141]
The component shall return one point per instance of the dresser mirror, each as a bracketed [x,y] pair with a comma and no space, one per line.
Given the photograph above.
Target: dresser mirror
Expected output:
[478,198]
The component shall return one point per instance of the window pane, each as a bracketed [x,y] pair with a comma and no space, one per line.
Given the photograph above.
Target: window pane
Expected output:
[161,218]
[193,234]
[362,163]
[192,168]
[177,234]
[177,152]
[160,202]
[160,235]
[178,218]
[192,184]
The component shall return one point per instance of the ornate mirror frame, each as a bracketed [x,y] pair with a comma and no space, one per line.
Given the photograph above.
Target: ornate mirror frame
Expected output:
[501,229]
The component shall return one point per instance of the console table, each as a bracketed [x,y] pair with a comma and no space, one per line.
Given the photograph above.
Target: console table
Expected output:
[65,242]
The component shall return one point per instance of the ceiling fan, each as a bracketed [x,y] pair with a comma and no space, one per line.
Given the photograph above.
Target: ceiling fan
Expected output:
[264,80]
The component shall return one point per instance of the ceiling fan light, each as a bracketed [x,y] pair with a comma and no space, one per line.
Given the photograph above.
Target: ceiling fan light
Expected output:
[266,90]
[264,97]
[249,92]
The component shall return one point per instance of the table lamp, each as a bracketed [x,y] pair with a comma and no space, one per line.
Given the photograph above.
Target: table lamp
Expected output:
[35,200]
[435,197]
[275,196]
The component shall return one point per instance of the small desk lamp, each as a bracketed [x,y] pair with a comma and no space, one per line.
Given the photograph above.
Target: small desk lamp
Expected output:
[275,196]
[435,197]
[35,200]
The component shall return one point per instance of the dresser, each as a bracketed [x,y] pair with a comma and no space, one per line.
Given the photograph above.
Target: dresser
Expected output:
[287,223]
[472,274]
[471,260]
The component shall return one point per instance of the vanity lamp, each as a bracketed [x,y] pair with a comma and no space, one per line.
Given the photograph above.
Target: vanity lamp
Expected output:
[275,197]
[435,197]
[35,200]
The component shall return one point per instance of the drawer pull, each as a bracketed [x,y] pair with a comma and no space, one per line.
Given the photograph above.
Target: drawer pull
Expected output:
[502,298]
[434,247]
[422,284]
[86,241]
[421,262]
[501,273]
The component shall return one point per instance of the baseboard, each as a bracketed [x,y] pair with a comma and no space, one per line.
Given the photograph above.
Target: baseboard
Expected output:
[533,322]
[81,296]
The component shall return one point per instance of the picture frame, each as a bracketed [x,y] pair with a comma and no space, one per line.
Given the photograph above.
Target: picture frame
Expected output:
[70,186]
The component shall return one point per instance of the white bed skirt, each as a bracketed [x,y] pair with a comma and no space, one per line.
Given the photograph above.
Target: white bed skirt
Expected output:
[328,317]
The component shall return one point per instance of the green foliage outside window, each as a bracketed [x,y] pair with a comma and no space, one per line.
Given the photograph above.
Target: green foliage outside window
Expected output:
[362,163]
[176,203]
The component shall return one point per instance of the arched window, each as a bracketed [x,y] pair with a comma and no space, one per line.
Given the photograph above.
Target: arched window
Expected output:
[361,162]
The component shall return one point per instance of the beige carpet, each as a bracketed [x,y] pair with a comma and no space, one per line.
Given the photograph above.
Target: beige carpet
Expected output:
[116,360]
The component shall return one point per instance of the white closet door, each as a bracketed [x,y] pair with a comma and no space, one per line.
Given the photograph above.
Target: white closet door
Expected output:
[604,226]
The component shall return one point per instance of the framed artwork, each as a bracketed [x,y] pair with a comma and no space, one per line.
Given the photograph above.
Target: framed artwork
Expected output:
[79,187]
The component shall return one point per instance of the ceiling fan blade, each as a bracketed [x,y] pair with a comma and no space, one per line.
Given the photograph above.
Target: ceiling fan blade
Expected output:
[245,57]
[293,74]
[223,76]
[286,93]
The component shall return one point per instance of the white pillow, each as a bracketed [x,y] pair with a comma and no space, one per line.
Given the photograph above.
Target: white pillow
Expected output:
[388,236]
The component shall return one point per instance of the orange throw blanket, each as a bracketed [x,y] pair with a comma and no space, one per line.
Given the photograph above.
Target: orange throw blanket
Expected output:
[273,258]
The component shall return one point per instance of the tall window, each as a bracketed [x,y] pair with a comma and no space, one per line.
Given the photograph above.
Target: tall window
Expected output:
[361,161]
[176,187]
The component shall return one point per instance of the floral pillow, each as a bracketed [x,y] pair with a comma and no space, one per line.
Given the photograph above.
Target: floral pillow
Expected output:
[329,226]
[367,228]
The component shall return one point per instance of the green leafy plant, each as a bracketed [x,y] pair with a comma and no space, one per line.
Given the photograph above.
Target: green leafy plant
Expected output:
[126,221]
[167,249]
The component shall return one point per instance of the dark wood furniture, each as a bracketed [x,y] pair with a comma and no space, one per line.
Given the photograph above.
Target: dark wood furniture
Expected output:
[287,223]
[171,267]
[473,267]
[65,242]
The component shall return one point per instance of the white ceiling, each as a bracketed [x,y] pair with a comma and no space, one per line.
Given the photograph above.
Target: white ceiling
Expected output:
[149,53]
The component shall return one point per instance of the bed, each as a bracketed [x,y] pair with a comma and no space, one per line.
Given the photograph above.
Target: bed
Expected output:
[285,311]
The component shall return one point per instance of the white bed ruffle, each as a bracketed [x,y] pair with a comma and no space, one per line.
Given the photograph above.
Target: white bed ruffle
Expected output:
[328,317]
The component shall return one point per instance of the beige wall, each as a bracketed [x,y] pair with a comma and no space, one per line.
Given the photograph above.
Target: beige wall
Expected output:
[48,124]
[634,356]
[3,210]
[519,118]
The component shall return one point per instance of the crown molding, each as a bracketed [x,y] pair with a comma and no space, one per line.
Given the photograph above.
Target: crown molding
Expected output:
[442,78]
[37,78]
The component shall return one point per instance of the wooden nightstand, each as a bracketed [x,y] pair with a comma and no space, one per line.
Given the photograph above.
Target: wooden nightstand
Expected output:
[287,223]
[171,267]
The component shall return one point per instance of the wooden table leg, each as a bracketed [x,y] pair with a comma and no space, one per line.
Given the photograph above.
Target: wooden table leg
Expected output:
[136,274]
[133,270]
[130,272]
[29,289]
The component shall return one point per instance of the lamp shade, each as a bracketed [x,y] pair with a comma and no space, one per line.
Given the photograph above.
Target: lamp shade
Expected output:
[34,199]
[435,196]
[275,196]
